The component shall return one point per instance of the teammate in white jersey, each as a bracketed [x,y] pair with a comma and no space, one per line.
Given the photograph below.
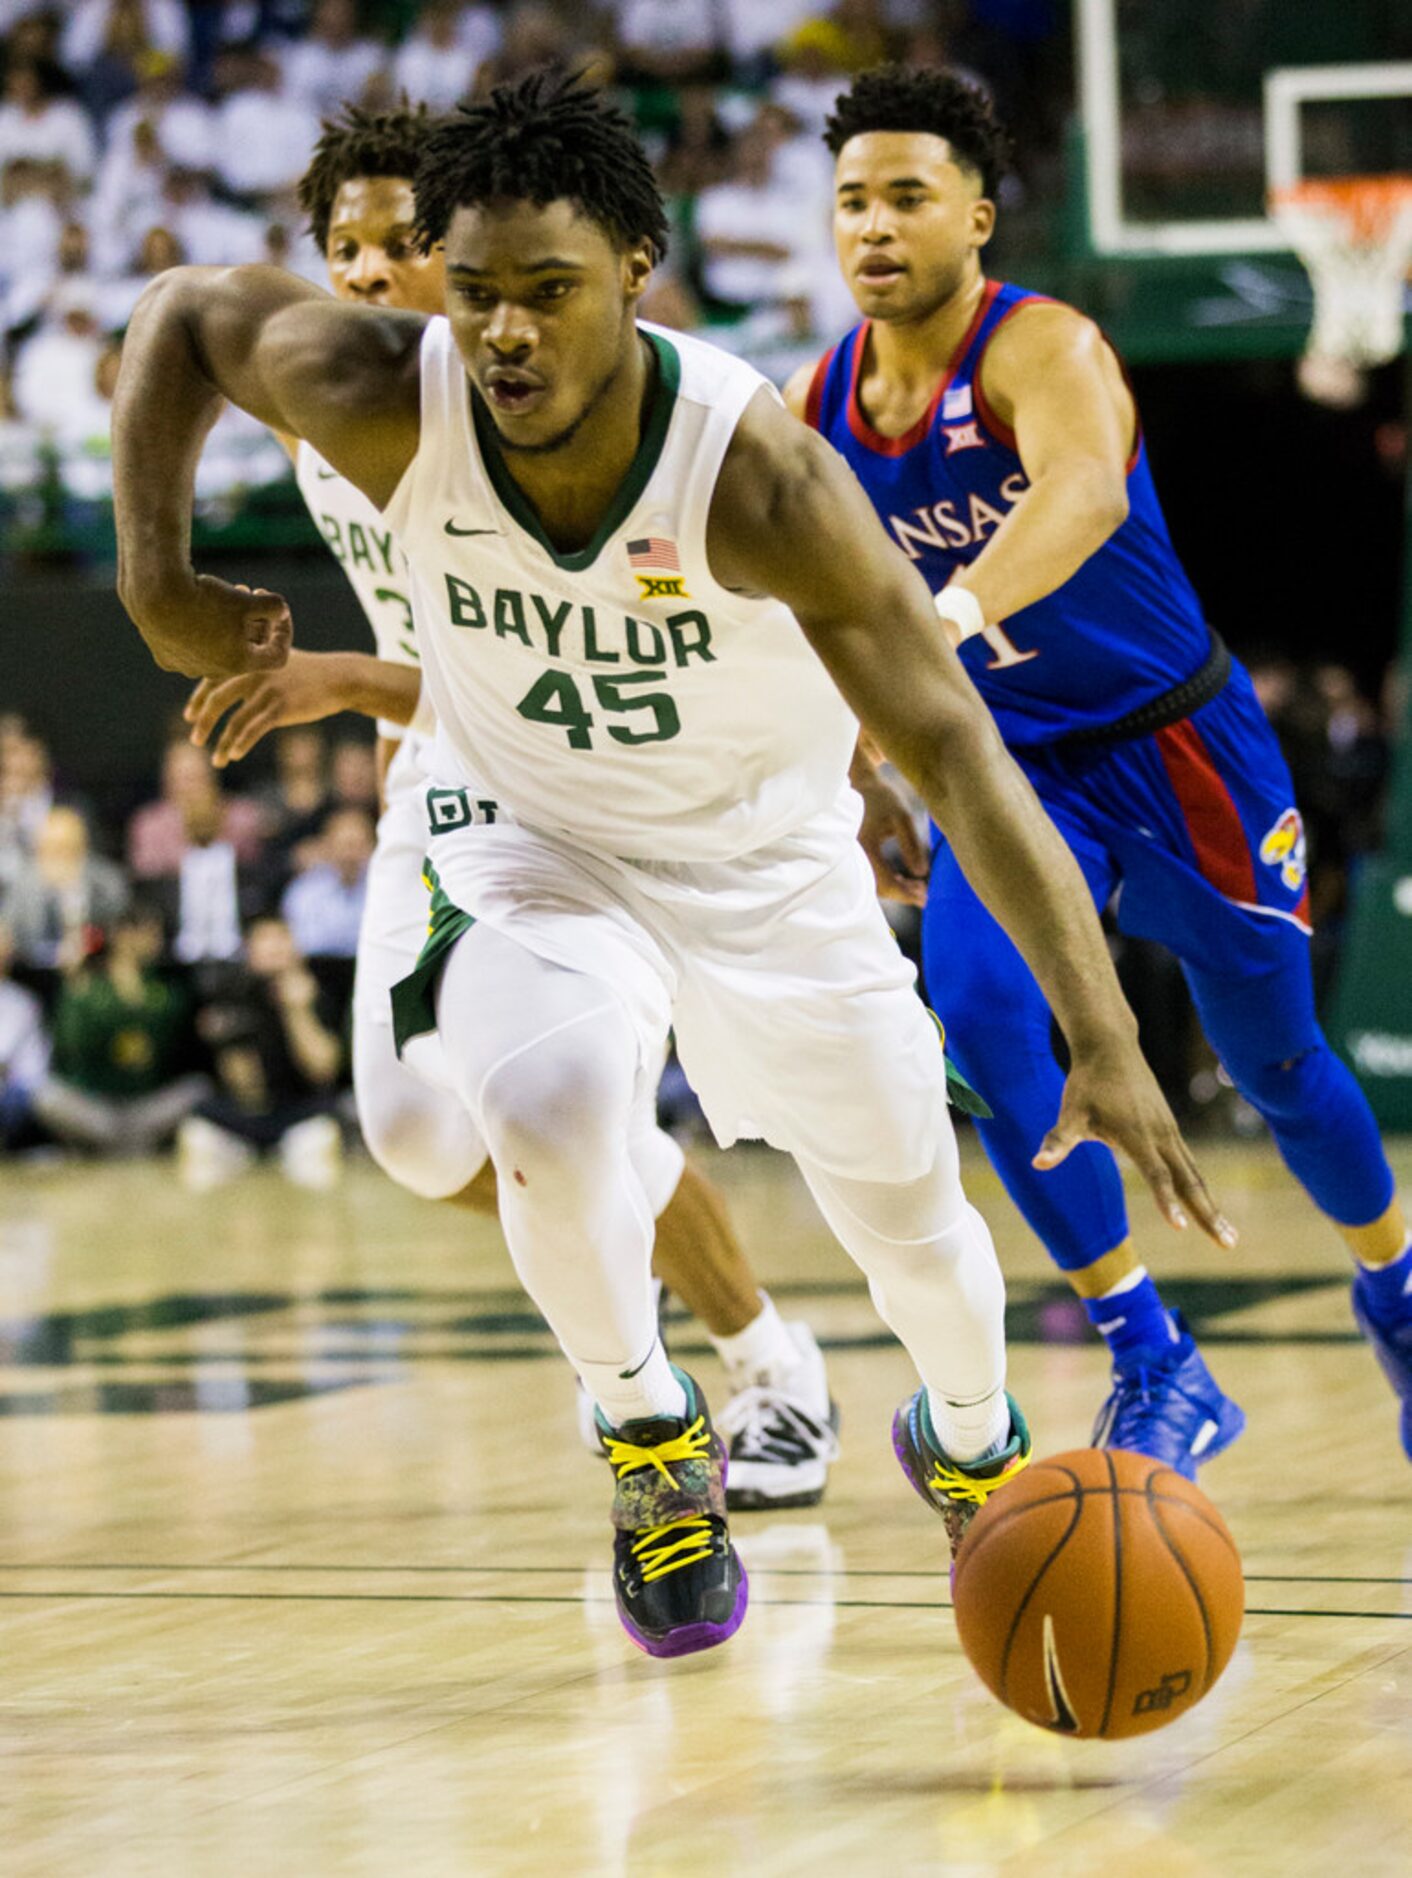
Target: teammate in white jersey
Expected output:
[640,810]
[779,1422]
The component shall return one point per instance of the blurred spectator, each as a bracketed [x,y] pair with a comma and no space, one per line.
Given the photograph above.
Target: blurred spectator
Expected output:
[84,439]
[114,74]
[239,454]
[753,30]
[668,42]
[24,1050]
[289,244]
[31,29]
[158,250]
[438,63]
[21,467]
[333,65]
[323,907]
[183,125]
[38,122]
[534,35]
[211,895]
[62,894]
[264,135]
[698,144]
[274,1037]
[41,290]
[816,59]
[128,197]
[162,24]
[755,245]
[121,1079]
[32,203]
[55,372]
[1336,746]
[210,233]
[353,776]
[26,796]
[158,836]
[295,805]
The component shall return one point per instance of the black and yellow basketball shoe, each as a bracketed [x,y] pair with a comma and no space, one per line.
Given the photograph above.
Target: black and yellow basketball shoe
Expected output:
[677,1579]
[955,1489]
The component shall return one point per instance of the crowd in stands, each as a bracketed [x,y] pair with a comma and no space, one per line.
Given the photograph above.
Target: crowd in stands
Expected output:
[138,134]
[184,974]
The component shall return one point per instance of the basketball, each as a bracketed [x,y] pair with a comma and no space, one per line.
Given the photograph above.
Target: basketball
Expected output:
[1099,1595]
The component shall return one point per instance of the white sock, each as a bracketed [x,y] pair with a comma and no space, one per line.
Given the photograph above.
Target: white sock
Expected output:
[652,1390]
[1129,1282]
[759,1352]
[970,1431]
[1383,1264]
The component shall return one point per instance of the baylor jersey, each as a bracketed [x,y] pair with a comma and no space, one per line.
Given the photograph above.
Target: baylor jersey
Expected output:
[369,555]
[616,695]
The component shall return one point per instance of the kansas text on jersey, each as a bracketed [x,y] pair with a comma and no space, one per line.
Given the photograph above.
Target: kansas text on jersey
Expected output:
[1125,629]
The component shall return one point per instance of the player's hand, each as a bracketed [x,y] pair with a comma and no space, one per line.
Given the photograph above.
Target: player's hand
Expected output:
[1112,1096]
[887,824]
[300,692]
[208,628]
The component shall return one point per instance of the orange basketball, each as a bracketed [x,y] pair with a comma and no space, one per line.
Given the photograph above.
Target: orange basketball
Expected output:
[1099,1594]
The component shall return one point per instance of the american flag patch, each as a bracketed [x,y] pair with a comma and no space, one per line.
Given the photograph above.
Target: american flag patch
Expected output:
[654,554]
[956,404]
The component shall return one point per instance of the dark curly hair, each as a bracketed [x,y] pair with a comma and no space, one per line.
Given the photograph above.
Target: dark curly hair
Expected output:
[925,98]
[360,143]
[541,139]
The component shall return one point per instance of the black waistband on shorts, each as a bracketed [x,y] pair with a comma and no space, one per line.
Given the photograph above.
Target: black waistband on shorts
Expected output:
[1169,708]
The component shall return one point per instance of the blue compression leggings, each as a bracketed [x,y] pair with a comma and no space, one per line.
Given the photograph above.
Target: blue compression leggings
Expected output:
[998,1032]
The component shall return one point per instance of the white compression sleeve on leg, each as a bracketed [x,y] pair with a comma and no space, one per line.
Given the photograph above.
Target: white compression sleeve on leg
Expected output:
[546,1062]
[932,1272]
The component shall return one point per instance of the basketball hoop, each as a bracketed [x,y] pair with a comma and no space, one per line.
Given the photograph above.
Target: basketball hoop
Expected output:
[1354,235]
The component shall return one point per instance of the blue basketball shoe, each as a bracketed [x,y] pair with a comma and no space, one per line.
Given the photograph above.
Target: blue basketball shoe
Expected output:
[1174,1410]
[677,1579]
[1392,1345]
[955,1489]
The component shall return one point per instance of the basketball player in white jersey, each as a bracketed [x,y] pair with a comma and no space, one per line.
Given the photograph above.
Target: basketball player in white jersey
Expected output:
[779,1421]
[644,593]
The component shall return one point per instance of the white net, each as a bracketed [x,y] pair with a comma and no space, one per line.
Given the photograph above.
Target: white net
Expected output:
[1354,236]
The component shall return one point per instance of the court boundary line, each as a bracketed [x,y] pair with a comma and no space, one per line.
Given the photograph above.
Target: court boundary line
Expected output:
[582,1600]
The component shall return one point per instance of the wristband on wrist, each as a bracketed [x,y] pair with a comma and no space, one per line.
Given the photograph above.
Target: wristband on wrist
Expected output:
[962,608]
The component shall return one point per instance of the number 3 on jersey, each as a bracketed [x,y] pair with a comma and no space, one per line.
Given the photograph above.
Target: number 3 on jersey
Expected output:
[554,698]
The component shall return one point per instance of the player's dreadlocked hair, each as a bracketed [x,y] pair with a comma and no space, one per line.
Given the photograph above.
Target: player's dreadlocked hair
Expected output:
[360,143]
[902,97]
[541,139]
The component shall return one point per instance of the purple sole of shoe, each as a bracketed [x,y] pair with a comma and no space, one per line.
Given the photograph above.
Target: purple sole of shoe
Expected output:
[902,1448]
[690,1638]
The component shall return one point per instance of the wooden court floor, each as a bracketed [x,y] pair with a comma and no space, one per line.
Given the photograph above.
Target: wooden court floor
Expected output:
[302,1572]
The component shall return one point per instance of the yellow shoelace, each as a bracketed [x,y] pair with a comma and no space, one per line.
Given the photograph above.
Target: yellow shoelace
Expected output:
[692,1546]
[656,1551]
[624,1457]
[972,1489]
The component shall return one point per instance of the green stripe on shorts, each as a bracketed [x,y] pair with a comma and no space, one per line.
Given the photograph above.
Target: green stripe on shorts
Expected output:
[414,997]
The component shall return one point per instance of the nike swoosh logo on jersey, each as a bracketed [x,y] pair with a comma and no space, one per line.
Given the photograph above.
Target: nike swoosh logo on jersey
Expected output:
[326,475]
[452,529]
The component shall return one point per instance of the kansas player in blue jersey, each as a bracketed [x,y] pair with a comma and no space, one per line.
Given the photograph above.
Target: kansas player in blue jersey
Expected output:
[998,440]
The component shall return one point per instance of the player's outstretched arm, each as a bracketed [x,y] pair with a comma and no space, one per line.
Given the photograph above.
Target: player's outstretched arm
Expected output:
[307,688]
[790,519]
[1053,378]
[344,377]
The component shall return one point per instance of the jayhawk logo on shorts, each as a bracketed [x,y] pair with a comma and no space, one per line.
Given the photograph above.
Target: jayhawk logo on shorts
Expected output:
[1283,847]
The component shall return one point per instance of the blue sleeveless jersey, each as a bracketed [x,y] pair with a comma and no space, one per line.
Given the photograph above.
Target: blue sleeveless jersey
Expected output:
[1123,630]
